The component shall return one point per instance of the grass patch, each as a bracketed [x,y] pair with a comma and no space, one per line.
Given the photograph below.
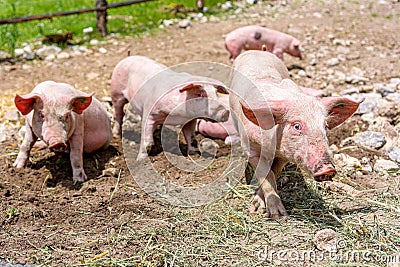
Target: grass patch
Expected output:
[129,20]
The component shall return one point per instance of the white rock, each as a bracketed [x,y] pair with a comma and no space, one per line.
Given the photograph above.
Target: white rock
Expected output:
[102,50]
[87,30]
[332,62]
[94,42]
[384,165]
[346,161]
[63,55]
[50,57]
[325,240]
[46,51]
[19,52]
[184,24]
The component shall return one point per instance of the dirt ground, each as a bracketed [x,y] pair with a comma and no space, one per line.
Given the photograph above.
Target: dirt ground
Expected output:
[47,219]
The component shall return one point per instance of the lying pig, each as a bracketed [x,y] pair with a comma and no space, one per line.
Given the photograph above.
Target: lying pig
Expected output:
[221,130]
[255,37]
[283,125]
[64,118]
[162,96]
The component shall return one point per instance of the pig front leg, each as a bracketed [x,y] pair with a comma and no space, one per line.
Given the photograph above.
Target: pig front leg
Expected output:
[76,155]
[266,199]
[25,148]
[188,131]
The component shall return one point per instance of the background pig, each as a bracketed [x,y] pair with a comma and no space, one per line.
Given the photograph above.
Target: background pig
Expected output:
[282,125]
[254,37]
[162,96]
[63,117]
[221,130]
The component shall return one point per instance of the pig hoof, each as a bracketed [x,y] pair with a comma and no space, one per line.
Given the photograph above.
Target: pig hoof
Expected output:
[80,178]
[273,208]
[193,151]
[19,164]
[141,156]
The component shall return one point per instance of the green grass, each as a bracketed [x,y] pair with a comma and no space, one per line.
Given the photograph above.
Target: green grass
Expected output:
[130,20]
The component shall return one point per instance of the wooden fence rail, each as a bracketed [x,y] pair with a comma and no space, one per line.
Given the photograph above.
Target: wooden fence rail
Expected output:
[100,9]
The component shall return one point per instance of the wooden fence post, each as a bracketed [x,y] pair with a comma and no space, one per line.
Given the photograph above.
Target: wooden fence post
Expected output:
[101,17]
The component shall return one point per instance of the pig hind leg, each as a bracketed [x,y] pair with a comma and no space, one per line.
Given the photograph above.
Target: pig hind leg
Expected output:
[146,139]
[118,103]
[188,131]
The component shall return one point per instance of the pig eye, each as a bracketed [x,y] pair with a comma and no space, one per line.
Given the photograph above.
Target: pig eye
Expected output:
[66,117]
[297,126]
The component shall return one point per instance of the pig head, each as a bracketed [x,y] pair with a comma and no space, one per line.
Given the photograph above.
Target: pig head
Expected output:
[63,117]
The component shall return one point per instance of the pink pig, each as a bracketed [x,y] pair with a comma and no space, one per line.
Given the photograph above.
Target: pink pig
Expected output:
[221,130]
[64,118]
[162,96]
[281,124]
[254,37]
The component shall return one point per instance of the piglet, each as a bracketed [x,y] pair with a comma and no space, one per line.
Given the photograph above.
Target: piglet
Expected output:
[281,124]
[255,37]
[220,130]
[162,96]
[65,119]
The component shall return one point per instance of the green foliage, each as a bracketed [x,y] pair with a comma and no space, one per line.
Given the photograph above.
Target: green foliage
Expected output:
[130,20]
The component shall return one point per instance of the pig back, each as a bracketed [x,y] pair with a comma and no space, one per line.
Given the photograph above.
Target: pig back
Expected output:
[260,65]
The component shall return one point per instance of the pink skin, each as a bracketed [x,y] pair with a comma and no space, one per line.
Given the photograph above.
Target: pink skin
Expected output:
[226,130]
[296,122]
[63,116]
[221,130]
[162,96]
[255,37]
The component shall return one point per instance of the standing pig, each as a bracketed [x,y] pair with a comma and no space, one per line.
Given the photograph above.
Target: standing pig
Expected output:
[162,96]
[226,130]
[63,117]
[254,37]
[221,130]
[284,125]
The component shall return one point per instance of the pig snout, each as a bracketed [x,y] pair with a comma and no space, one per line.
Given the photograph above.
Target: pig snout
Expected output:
[325,172]
[57,145]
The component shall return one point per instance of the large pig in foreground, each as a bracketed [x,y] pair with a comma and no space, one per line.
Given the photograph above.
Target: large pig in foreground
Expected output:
[255,37]
[64,118]
[162,96]
[283,125]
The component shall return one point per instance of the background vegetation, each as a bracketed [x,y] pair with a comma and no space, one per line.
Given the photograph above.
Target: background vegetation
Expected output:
[129,20]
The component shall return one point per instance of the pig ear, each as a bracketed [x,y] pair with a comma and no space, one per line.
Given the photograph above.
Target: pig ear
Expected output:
[265,114]
[221,89]
[296,43]
[190,86]
[26,102]
[79,103]
[339,109]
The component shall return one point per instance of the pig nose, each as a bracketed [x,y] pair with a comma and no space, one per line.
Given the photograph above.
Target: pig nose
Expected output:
[325,173]
[58,147]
